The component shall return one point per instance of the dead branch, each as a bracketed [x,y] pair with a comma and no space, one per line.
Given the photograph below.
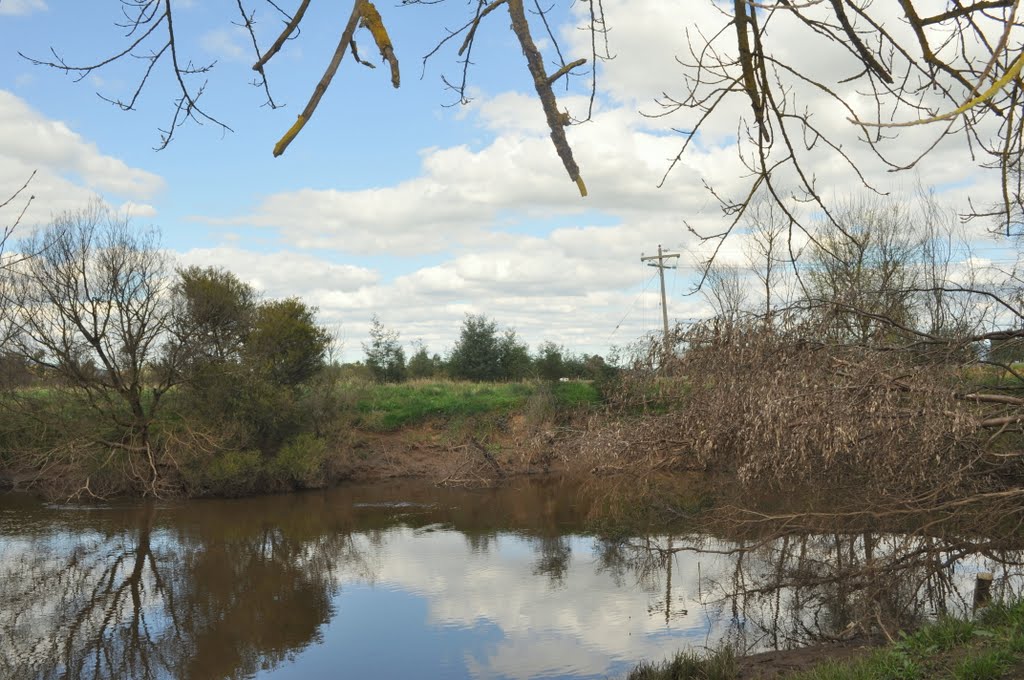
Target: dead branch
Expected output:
[557,121]
[290,27]
[325,80]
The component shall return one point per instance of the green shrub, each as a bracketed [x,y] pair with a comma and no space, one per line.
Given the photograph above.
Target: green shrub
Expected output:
[300,462]
[228,473]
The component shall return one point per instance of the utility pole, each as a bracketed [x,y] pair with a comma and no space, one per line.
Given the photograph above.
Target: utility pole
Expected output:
[659,262]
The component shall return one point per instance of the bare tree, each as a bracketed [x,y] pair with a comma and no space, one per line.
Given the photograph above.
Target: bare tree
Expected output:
[92,309]
[152,38]
[7,260]
[947,276]
[725,289]
[765,250]
[953,70]
[861,270]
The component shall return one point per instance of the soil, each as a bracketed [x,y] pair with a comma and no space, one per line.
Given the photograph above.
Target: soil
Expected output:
[780,664]
[454,456]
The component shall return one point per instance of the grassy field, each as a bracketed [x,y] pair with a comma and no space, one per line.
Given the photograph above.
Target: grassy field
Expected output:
[988,648]
[392,407]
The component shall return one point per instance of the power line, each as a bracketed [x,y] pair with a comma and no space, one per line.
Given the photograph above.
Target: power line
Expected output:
[642,292]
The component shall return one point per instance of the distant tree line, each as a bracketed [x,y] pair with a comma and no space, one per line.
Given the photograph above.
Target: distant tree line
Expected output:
[481,354]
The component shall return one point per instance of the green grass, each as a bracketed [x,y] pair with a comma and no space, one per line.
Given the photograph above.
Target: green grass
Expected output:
[988,665]
[386,408]
[989,647]
[390,407]
[719,665]
[576,393]
[941,636]
[950,649]
[885,664]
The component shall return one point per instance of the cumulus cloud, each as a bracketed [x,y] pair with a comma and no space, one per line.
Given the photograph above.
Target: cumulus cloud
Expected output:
[462,192]
[69,170]
[284,274]
[132,209]
[542,287]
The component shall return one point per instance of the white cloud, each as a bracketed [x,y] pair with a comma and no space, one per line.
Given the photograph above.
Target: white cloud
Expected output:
[70,171]
[132,209]
[284,274]
[21,7]
[572,287]
[462,192]
[227,44]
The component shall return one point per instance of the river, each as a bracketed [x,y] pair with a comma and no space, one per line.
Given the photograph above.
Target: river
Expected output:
[407,580]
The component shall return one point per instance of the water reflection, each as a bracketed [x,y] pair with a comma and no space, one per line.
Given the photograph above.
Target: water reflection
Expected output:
[407,580]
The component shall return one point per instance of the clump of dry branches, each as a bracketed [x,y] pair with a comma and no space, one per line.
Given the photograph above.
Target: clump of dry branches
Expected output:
[775,405]
[772,405]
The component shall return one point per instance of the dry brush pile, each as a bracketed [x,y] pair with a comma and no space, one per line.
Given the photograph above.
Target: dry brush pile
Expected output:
[774,406]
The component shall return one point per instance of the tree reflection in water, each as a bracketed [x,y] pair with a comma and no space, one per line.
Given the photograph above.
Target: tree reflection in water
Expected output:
[789,590]
[226,589]
[217,599]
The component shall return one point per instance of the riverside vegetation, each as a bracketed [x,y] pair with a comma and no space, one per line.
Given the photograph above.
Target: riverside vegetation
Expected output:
[886,369]
[879,383]
[123,376]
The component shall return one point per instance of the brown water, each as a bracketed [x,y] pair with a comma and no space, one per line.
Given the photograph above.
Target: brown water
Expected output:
[407,580]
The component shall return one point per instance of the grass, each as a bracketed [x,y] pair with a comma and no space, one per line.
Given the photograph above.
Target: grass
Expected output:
[993,376]
[392,407]
[718,665]
[885,664]
[576,393]
[386,408]
[990,647]
[986,648]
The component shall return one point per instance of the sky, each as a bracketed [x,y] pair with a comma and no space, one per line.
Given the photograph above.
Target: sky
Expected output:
[397,202]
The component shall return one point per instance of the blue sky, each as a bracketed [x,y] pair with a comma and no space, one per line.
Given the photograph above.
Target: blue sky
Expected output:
[389,202]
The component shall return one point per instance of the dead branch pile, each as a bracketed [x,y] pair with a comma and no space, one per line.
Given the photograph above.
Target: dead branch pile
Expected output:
[768,405]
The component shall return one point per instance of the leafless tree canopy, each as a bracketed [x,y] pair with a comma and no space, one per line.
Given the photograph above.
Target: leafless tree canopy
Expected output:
[907,63]
[151,38]
[952,66]
[91,306]
[17,203]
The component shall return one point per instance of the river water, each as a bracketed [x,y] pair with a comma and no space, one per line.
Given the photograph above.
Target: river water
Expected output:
[408,580]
